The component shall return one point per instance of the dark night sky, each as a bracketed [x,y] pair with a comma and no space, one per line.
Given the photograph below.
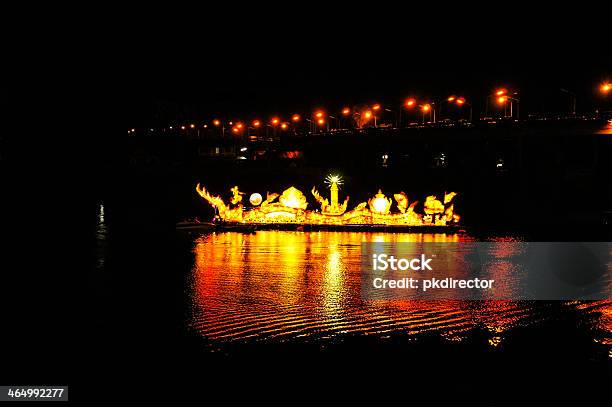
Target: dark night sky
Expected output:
[260,70]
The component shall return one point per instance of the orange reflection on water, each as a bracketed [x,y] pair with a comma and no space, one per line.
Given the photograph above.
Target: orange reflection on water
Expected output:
[277,286]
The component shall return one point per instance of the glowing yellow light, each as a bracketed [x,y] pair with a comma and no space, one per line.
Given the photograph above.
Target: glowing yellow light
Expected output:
[255,199]
[380,203]
[605,87]
[346,111]
[460,101]
[319,114]
[367,114]
[256,123]
[293,198]
[275,121]
[410,102]
[321,121]
[296,117]
[333,179]
[450,98]
[235,129]
[216,122]
[426,107]
[502,99]
[284,126]
[291,208]
[192,126]
[376,107]
[239,125]
[500,92]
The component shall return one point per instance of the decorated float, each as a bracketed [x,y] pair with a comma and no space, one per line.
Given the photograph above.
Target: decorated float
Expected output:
[290,209]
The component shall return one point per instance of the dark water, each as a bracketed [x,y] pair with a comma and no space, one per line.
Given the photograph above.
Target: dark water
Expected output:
[304,287]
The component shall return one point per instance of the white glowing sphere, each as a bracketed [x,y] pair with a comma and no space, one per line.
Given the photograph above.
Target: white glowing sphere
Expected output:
[255,199]
[380,205]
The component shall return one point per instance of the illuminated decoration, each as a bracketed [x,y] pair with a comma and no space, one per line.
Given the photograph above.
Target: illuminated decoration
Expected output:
[293,198]
[255,199]
[449,197]
[290,208]
[332,208]
[380,203]
[236,196]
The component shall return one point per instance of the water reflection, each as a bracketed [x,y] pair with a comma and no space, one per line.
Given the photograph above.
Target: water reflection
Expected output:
[305,286]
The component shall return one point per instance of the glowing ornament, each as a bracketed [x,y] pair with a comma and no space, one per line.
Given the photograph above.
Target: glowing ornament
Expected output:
[255,199]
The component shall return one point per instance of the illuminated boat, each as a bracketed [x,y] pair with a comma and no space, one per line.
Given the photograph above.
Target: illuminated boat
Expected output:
[289,211]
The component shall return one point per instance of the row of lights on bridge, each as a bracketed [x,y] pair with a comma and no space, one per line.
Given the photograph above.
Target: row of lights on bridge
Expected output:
[502,97]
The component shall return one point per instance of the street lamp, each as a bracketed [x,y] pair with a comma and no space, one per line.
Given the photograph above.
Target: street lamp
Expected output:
[503,96]
[460,101]
[573,96]
[605,88]
[429,108]
[346,111]
[408,104]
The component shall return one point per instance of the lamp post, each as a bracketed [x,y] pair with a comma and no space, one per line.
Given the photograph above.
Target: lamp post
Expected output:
[502,99]
[460,101]
[573,96]
[408,105]
[345,112]
[430,109]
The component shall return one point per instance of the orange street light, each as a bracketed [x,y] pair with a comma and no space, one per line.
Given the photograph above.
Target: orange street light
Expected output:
[239,125]
[295,118]
[346,111]
[410,103]
[321,121]
[235,129]
[605,88]
[318,114]
[256,123]
[367,114]
[426,107]
[451,99]
[376,107]
[502,99]
[460,101]
[501,92]
[275,121]
[216,122]
[192,126]
[284,126]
